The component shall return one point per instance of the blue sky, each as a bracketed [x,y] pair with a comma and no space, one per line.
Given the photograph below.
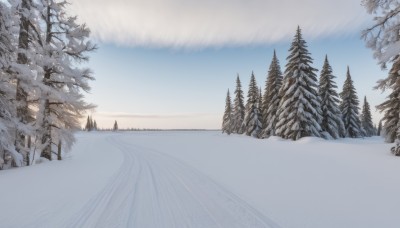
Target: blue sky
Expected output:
[174,79]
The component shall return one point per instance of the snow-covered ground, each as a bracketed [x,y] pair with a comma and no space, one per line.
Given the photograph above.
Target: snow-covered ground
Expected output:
[206,179]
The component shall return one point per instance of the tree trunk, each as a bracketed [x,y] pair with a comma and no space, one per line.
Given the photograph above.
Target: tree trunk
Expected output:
[21,94]
[46,138]
[59,150]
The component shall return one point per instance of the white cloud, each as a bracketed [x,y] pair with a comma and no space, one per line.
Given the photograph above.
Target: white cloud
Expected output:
[203,23]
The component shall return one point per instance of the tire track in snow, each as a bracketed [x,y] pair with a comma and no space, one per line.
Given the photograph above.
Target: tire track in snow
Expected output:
[152,190]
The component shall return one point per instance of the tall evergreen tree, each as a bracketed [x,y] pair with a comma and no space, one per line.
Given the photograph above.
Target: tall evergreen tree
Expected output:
[252,120]
[88,127]
[391,106]
[366,119]
[383,38]
[8,122]
[260,102]
[331,116]
[378,132]
[238,108]
[227,118]
[24,68]
[260,110]
[349,108]
[271,97]
[94,125]
[299,109]
[115,127]
[91,123]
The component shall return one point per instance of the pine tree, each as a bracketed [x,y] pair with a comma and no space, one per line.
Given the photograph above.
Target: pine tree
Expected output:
[28,49]
[260,102]
[299,109]
[87,127]
[366,119]
[8,121]
[331,116]
[115,128]
[271,97]
[252,121]
[227,119]
[238,108]
[383,36]
[349,108]
[391,106]
[91,123]
[94,125]
[378,132]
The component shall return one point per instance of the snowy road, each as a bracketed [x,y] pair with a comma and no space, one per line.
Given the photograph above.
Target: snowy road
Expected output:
[206,179]
[151,189]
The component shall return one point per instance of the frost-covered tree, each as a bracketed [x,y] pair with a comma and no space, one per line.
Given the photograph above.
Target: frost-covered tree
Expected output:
[391,106]
[41,82]
[252,121]
[271,97]
[383,36]
[115,127]
[24,69]
[65,44]
[349,108]
[366,119]
[331,116]
[384,39]
[8,122]
[238,108]
[299,113]
[227,118]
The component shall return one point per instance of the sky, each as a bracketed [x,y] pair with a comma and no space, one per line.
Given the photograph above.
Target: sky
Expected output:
[168,64]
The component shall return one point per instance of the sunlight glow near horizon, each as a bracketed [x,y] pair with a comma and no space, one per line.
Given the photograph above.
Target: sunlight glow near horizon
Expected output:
[170,72]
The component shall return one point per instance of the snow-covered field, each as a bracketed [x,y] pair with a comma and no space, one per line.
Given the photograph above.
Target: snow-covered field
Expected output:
[206,179]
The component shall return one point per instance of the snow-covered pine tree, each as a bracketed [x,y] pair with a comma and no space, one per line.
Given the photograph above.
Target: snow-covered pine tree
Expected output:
[299,109]
[7,93]
[331,116]
[366,119]
[115,127]
[227,118]
[391,106]
[65,45]
[384,39]
[349,108]
[252,121]
[238,108]
[271,97]
[24,69]
[94,125]
[260,103]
